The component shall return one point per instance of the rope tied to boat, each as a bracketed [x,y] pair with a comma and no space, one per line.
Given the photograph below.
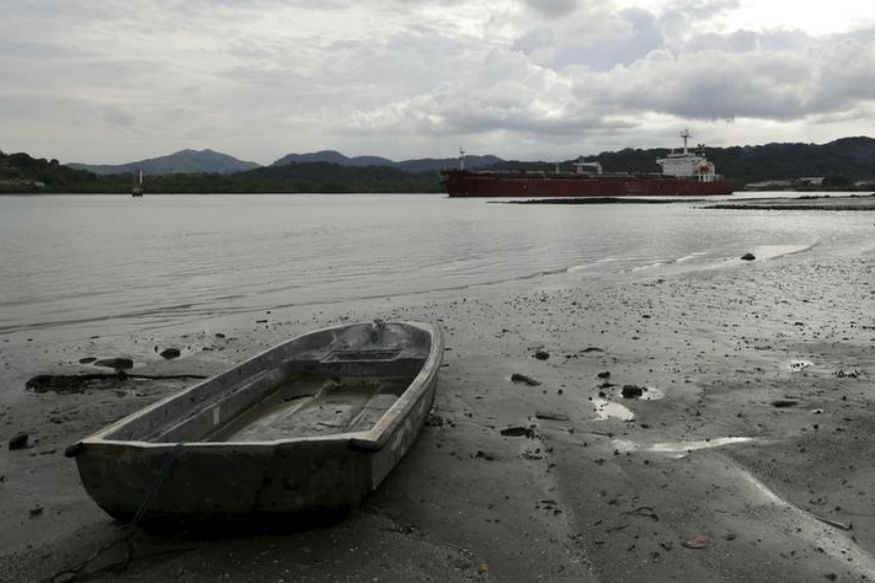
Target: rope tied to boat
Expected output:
[163,474]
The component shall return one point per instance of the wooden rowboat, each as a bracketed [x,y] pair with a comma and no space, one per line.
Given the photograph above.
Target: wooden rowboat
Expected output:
[307,428]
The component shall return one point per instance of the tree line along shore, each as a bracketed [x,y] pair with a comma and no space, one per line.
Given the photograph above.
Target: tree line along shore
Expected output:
[844,164]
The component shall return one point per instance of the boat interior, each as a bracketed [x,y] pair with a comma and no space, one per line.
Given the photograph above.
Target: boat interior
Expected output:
[340,380]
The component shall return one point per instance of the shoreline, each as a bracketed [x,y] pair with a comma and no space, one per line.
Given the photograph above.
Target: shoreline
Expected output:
[577,500]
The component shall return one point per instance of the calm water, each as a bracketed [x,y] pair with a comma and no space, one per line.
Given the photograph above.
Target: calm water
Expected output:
[72,261]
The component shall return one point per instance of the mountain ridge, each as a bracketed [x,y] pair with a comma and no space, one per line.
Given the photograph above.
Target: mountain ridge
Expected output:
[186,161]
[412,165]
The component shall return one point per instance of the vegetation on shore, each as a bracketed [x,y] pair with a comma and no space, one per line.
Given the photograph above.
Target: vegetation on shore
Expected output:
[841,163]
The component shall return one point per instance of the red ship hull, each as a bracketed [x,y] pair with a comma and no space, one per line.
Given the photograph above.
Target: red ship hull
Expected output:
[463,183]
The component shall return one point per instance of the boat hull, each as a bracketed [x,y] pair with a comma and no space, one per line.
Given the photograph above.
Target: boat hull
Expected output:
[293,480]
[465,184]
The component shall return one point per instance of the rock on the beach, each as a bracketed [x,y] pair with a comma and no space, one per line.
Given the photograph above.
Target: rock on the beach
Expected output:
[551,416]
[118,363]
[518,431]
[542,355]
[170,353]
[632,391]
[19,441]
[525,379]
[748,257]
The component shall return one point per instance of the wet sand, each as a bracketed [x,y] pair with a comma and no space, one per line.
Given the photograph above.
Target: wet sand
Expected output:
[853,202]
[748,466]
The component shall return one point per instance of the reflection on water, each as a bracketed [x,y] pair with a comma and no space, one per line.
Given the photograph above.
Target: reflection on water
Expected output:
[73,259]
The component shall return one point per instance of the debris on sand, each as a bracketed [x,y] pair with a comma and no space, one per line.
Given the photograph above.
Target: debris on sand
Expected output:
[118,363]
[79,383]
[524,379]
[169,353]
[632,391]
[848,374]
[604,375]
[784,403]
[748,257]
[797,365]
[518,431]
[87,360]
[699,541]
[542,355]
[19,441]
[551,416]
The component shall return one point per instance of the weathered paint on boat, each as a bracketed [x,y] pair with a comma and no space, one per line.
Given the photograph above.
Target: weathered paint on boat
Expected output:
[171,461]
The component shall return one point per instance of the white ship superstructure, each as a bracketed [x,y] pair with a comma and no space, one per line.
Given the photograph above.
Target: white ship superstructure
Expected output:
[685,164]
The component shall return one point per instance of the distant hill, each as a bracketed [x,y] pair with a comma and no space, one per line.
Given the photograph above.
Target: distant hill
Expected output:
[841,162]
[417,165]
[335,178]
[182,162]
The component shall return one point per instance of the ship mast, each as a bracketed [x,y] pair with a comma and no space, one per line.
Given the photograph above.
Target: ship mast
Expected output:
[685,135]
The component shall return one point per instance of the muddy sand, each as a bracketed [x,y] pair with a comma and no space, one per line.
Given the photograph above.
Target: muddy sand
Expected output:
[744,453]
[853,202]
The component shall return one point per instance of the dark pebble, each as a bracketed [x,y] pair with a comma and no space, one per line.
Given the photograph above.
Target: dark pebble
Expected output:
[518,432]
[521,378]
[632,391]
[551,416]
[119,363]
[18,441]
[748,257]
[170,353]
[542,355]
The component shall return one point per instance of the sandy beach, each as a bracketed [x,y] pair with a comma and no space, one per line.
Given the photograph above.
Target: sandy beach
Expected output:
[746,457]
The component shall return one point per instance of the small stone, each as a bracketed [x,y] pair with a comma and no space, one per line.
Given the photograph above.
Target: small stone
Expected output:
[36,511]
[525,379]
[169,353]
[118,363]
[604,375]
[551,416]
[19,441]
[748,257]
[632,391]
[518,432]
[542,355]
[699,541]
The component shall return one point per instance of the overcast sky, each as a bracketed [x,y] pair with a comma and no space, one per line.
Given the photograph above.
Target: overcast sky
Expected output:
[116,81]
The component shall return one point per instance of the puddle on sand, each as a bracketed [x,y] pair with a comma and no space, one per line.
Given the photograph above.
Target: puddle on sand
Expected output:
[678,449]
[605,409]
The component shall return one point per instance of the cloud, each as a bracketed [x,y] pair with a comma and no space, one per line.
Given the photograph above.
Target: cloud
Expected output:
[553,8]
[121,80]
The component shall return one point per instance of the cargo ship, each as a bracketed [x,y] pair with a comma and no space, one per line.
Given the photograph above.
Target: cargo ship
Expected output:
[684,173]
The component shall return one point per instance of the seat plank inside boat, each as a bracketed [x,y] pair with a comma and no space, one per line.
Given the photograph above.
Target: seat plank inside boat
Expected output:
[334,406]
